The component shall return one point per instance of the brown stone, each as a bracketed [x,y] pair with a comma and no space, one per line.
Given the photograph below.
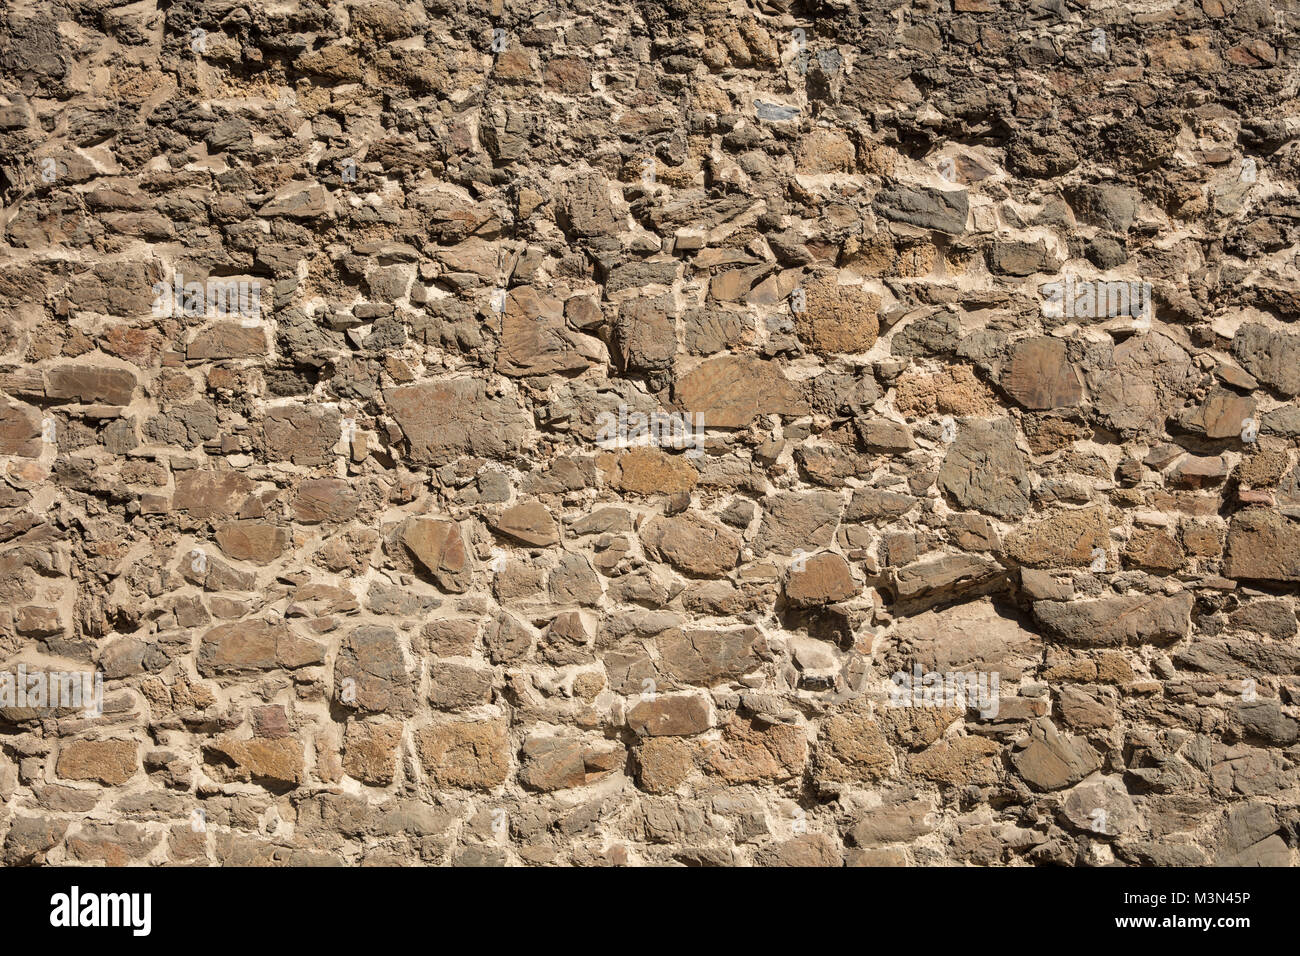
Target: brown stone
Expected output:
[445,420]
[530,522]
[371,672]
[90,384]
[20,430]
[837,318]
[731,391]
[325,500]
[1263,546]
[110,762]
[1112,621]
[751,752]
[664,763]
[670,716]
[534,340]
[1039,375]
[957,762]
[254,541]
[691,544]
[1066,539]
[227,340]
[560,763]
[249,646]
[706,657]
[440,548]
[851,748]
[304,435]
[277,761]
[823,579]
[210,494]
[1050,760]
[652,471]
[370,751]
[470,755]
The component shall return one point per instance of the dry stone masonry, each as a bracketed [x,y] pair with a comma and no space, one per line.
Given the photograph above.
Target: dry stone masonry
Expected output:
[658,432]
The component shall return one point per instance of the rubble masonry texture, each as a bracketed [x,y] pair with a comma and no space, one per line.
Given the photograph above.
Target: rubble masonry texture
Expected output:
[366,577]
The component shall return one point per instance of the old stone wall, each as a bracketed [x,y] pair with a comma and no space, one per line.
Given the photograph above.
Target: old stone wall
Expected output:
[741,432]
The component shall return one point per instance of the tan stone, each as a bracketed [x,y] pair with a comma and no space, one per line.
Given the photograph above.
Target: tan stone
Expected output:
[837,318]
[530,522]
[691,544]
[822,579]
[471,755]
[751,752]
[652,471]
[278,761]
[957,762]
[370,751]
[1066,539]
[110,762]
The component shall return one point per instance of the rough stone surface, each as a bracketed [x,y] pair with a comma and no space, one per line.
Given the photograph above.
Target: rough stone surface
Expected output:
[631,434]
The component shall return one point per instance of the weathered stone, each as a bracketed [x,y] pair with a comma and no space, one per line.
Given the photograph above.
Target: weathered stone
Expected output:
[691,544]
[303,435]
[371,672]
[984,470]
[440,548]
[852,748]
[249,646]
[370,751]
[211,494]
[941,210]
[652,471]
[822,579]
[731,391]
[1272,357]
[977,636]
[1263,546]
[325,500]
[1050,760]
[470,755]
[707,657]
[1066,539]
[559,763]
[89,384]
[837,318]
[893,823]
[798,522]
[1115,621]
[957,762]
[254,541]
[1039,374]
[533,336]
[750,752]
[110,762]
[20,430]
[805,850]
[455,686]
[278,762]
[227,340]
[1101,806]
[447,419]
[664,763]
[670,716]
[530,522]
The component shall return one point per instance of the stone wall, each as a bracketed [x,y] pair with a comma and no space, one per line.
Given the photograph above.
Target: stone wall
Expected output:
[656,432]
